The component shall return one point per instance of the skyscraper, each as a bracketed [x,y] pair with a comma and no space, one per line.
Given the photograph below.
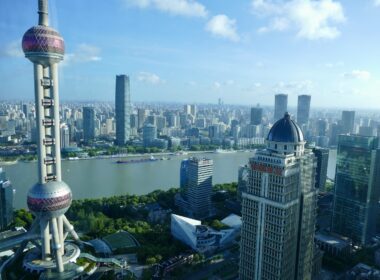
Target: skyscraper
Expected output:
[303,109]
[65,136]
[322,127]
[256,115]
[348,122]
[196,187]
[26,110]
[141,114]
[187,109]
[322,156]
[280,106]
[279,208]
[6,201]
[193,110]
[123,109]
[88,124]
[357,190]
[50,198]
[149,134]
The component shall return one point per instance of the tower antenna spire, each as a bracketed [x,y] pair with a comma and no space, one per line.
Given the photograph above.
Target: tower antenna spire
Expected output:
[43,13]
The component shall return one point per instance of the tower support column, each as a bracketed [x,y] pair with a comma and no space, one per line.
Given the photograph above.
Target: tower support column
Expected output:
[45,233]
[39,95]
[54,94]
[57,245]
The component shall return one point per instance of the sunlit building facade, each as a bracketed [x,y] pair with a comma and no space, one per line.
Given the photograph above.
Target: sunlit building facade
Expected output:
[280,106]
[357,190]
[279,208]
[122,109]
[196,187]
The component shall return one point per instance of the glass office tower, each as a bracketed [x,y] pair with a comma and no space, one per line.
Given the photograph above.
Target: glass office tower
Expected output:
[357,187]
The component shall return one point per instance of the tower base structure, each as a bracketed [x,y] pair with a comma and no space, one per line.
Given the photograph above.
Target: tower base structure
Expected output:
[33,262]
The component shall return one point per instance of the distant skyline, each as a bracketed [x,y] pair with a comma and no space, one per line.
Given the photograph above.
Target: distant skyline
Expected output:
[243,52]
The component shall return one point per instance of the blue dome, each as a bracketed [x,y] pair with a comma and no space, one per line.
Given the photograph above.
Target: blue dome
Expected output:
[285,130]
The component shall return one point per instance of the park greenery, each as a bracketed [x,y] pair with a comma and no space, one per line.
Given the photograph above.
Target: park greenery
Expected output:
[97,218]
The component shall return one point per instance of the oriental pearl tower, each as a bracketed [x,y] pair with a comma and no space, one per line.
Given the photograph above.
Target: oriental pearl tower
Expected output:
[50,198]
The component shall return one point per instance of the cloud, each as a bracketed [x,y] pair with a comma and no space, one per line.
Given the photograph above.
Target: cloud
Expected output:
[376,3]
[357,74]
[310,18]
[189,8]
[334,64]
[224,27]
[217,85]
[294,87]
[83,53]
[12,49]
[149,78]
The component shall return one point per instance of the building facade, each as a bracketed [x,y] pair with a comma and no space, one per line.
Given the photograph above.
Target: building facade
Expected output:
[6,201]
[303,109]
[88,124]
[65,136]
[122,109]
[348,122]
[322,156]
[149,134]
[357,182]
[279,208]
[256,115]
[196,187]
[280,106]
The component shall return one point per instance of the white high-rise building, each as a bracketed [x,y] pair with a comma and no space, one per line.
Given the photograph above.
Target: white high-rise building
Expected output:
[279,208]
[196,187]
[65,136]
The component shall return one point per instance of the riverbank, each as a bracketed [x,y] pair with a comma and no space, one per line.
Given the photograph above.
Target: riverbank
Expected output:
[102,177]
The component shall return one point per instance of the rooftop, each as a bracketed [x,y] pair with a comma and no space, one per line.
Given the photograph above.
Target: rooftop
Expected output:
[285,130]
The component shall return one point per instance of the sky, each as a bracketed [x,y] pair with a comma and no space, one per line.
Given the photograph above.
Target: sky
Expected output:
[190,51]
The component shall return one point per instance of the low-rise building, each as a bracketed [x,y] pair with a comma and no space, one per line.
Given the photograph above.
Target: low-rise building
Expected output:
[332,245]
[362,271]
[202,238]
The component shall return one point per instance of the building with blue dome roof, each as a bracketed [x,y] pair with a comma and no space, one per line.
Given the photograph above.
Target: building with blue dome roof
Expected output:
[279,208]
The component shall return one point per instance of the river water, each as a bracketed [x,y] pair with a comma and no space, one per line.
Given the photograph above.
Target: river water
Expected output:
[97,178]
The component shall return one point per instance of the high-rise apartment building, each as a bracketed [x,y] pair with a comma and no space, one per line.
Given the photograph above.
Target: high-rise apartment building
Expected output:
[303,109]
[322,156]
[65,136]
[88,124]
[280,106]
[256,115]
[322,125]
[348,122]
[193,110]
[187,109]
[26,110]
[149,134]
[357,190]
[122,109]
[6,201]
[196,187]
[279,208]
[141,115]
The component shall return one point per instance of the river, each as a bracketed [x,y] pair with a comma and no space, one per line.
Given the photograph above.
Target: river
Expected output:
[97,178]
